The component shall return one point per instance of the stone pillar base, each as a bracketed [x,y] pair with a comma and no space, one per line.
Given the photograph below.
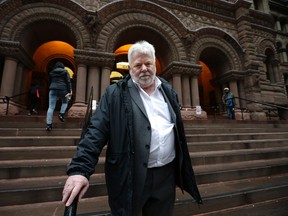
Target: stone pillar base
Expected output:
[13,108]
[242,115]
[190,114]
[258,116]
[77,110]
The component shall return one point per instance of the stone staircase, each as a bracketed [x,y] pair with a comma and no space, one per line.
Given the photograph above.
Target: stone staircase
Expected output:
[241,168]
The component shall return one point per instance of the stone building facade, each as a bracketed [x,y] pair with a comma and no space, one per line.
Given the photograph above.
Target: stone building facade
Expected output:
[201,46]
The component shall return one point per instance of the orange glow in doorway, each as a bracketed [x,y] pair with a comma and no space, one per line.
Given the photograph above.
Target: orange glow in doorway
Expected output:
[51,50]
[205,87]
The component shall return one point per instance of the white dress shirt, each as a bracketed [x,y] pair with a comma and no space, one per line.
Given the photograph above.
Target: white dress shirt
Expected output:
[162,149]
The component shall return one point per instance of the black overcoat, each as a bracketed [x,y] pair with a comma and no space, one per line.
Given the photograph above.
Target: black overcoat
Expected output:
[121,122]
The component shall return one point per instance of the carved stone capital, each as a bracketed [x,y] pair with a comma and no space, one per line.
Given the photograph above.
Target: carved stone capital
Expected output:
[182,68]
[15,50]
[228,76]
[94,58]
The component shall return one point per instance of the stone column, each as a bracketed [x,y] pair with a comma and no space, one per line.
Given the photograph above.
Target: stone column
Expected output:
[8,78]
[7,86]
[278,25]
[284,56]
[234,89]
[81,84]
[276,71]
[242,103]
[266,7]
[79,108]
[18,83]
[186,92]
[178,86]
[105,79]
[195,91]
[94,81]
[285,28]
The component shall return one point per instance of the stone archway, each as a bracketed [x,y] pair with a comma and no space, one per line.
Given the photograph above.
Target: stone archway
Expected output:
[45,17]
[145,21]
[40,23]
[219,53]
[213,37]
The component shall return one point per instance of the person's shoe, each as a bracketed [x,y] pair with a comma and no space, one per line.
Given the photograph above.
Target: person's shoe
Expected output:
[61,117]
[29,114]
[48,127]
[35,111]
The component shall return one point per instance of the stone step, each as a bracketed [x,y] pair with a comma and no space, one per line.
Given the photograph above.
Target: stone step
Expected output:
[223,123]
[49,188]
[236,144]
[29,147]
[240,200]
[274,207]
[15,169]
[235,136]
[16,132]
[236,165]
[49,140]
[40,123]
[228,130]
[36,152]
[231,156]
[66,147]
[25,162]
[237,195]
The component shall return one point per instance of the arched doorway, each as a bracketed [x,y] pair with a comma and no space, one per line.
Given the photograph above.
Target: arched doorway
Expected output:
[214,64]
[206,90]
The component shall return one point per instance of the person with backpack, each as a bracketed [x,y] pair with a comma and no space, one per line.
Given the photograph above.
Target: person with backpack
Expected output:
[59,87]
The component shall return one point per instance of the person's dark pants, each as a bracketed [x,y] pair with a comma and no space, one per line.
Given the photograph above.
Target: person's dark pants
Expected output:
[230,112]
[34,103]
[159,192]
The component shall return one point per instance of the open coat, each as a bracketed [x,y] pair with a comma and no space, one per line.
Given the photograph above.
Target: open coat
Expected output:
[121,122]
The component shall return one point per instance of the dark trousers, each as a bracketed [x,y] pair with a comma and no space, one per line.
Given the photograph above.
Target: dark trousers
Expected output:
[159,191]
[34,103]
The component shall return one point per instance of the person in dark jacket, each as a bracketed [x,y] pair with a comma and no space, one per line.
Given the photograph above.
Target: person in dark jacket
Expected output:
[59,87]
[34,96]
[147,155]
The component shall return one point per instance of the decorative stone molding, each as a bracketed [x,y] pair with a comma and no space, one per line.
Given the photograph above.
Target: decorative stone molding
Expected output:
[44,12]
[263,44]
[181,68]
[190,114]
[137,16]
[94,58]
[15,50]
[77,110]
[213,7]
[92,5]
[213,37]
[231,75]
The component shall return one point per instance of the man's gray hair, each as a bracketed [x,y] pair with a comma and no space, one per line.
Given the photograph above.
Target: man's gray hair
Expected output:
[142,47]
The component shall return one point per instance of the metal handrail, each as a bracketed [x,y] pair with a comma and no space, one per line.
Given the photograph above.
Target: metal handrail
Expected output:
[72,209]
[6,99]
[216,107]
[88,114]
[263,103]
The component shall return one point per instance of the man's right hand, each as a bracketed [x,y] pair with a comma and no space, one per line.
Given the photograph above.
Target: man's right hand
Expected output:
[75,184]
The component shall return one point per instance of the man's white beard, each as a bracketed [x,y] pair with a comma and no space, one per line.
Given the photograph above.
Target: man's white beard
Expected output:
[146,80]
